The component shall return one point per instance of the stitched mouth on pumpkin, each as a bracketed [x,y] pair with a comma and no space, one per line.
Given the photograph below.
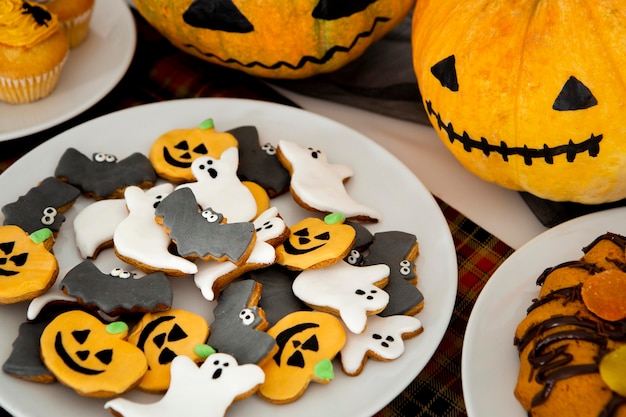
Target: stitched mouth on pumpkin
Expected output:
[571,150]
[304,60]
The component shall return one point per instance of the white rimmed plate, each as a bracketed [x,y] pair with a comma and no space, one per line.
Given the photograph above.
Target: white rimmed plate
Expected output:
[490,361]
[91,71]
[380,181]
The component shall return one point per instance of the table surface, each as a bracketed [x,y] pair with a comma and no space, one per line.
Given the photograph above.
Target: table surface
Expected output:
[479,214]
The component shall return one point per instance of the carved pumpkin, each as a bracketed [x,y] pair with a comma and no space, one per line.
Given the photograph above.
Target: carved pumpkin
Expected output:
[275,39]
[529,95]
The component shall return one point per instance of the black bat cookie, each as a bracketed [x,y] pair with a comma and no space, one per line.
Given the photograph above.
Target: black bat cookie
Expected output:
[104,176]
[119,291]
[237,318]
[259,163]
[202,233]
[41,206]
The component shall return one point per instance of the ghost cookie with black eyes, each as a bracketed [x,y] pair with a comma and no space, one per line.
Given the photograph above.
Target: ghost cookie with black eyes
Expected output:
[318,185]
[42,206]
[104,176]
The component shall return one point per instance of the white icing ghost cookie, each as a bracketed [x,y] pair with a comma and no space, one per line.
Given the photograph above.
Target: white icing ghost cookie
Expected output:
[218,187]
[212,276]
[204,391]
[318,185]
[141,242]
[350,291]
[95,224]
[383,339]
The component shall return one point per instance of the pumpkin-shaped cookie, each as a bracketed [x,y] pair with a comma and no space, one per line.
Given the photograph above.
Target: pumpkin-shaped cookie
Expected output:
[91,357]
[276,39]
[27,268]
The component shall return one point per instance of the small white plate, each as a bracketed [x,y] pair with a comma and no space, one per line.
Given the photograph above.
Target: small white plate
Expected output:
[380,181]
[91,71]
[490,361]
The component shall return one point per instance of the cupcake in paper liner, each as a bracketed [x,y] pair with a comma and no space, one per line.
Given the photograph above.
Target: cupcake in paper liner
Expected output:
[74,17]
[33,51]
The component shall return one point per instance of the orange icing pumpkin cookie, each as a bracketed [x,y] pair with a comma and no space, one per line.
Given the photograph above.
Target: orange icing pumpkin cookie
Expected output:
[172,153]
[307,343]
[27,267]
[91,357]
[315,243]
[162,337]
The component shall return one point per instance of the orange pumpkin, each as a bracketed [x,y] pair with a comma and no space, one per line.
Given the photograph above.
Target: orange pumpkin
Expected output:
[275,39]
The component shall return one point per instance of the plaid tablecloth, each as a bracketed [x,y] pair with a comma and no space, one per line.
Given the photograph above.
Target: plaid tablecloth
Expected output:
[160,72]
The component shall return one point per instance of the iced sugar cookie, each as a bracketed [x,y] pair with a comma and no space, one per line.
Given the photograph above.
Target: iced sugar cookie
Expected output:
[318,185]
[103,175]
[24,362]
[205,391]
[95,224]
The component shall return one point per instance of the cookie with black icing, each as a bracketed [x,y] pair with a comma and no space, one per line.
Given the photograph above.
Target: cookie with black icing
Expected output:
[119,291]
[24,362]
[103,175]
[42,206]
[203,234]
[258,162]
[238,328]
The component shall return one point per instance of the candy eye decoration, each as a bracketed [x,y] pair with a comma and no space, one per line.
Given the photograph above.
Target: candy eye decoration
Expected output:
[121,273]
[247,316]
[269,149]
[211,216]
[104,157]
[49,214]
[354,258]
[405,268]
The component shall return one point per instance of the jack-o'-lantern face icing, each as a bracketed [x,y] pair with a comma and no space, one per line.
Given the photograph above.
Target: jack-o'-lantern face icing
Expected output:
[91,357]
[275,39]
[523,101]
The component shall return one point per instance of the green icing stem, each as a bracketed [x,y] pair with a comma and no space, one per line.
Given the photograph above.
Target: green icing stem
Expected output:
[41,235]
[116,327]
[324,370]
[207,124]
[334,218]
[203,351]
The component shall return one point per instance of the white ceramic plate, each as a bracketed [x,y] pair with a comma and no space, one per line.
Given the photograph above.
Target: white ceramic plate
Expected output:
[380,181]
[91,71]
[490,362]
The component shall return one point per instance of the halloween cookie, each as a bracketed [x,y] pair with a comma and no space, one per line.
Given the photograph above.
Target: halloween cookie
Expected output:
[204,391]
[172,153]
[104,176]
[351,292]
[24,361]
[119,291]
[307,343]
[217,186]
[91,357]
[203,234]
[42,206]
[238,328]
[314,243]
[27,267]
[95,224]
[383,340]
[163,336]
[139,241]
[213,276]
[258,162]
[318,185]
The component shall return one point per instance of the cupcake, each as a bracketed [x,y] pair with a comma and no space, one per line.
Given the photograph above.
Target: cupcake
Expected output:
[33,50]
[74,16]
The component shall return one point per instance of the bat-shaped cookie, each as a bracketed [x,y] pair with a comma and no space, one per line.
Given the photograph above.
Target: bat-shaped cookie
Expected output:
[104,176]
[258,162]
[201,234]
[119,291]
[41,206]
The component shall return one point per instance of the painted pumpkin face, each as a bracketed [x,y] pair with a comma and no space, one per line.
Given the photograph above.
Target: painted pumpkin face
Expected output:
[27,268]
[314,243]
[275,39]
[172,153]
[162,337]
[307,342]
[526,98]
[91,357]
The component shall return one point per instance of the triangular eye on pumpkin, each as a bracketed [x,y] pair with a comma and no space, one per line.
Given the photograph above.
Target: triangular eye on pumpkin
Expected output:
[217,15]
[574,96]
[333,9]
[445,72]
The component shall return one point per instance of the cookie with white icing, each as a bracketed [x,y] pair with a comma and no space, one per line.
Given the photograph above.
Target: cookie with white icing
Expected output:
[218,187]
[103,175]
[204,391]
[351,292]
[383,340]
[203,234]
[141,242]
[42,206]
[318,185]
[212,277]
[95,224]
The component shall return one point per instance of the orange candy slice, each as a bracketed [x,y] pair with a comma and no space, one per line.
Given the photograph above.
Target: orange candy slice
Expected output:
[604,294]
